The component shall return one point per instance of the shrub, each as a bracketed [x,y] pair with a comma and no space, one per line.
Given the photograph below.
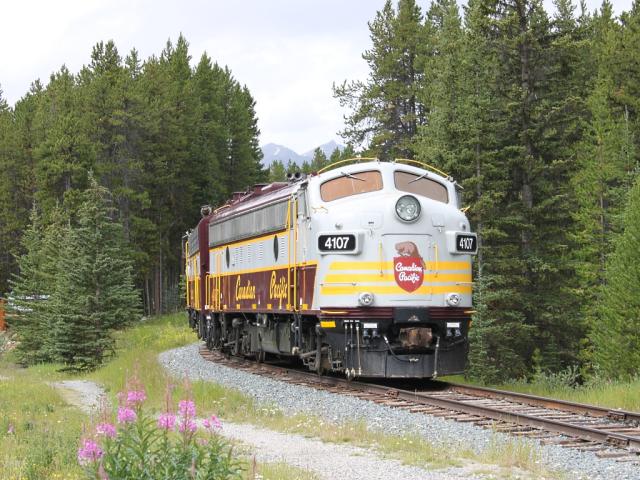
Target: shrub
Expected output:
[171,446]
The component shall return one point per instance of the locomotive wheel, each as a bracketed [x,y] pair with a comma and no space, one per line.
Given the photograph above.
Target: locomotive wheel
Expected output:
[209,335]
[202,331]
[215,333]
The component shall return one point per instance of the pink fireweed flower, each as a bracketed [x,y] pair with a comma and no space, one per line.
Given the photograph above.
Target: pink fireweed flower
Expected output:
[187,425]
[126,415]
[11,430]
[166,420]
[187,408]
[90,451]
[212,423]
[135,397]
[106,429]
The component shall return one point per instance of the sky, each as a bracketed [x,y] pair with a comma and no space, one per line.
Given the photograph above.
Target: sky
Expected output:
[287,52]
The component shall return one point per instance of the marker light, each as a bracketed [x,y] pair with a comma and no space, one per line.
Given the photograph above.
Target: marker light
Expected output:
[453,299]
[365,299]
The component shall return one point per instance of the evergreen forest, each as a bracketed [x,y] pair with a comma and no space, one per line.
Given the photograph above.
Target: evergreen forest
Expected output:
[163,137]
[535,113]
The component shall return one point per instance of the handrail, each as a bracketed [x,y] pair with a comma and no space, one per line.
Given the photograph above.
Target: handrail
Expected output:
[289,236]
[423,165]
[186,270]
[295,254]
[340,162]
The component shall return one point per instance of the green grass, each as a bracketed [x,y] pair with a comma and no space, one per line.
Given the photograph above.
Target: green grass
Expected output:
[278,471]
[48,447]
[38,431]
[137,352]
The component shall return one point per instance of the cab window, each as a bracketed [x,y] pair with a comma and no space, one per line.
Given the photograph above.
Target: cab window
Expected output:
[419,185]
[351,184]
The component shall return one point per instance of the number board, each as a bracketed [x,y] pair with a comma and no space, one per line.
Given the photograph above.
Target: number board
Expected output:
[337,243]
[466,243]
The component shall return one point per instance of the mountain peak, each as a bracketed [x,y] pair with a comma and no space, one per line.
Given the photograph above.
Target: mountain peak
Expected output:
[274,151]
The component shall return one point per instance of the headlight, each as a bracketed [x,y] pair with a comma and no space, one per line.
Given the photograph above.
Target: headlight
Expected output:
[453,299]
[408,208]
[365,299]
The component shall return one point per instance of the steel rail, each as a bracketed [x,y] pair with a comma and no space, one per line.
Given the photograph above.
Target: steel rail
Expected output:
[537,401]
[617,440]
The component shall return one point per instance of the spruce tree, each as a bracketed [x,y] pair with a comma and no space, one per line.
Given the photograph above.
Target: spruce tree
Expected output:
[94,293]
[30,294]
[607,160]
[32,288]
[616,336]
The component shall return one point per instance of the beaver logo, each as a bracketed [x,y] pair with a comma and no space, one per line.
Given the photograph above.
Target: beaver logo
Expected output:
[408,267]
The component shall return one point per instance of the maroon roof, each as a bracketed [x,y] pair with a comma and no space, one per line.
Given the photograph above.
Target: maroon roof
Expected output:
[256,196]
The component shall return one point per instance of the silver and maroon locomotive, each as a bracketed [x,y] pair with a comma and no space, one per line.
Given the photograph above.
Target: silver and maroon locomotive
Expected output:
[363,269]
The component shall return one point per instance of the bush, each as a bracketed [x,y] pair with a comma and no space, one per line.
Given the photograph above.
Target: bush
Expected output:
[170,446]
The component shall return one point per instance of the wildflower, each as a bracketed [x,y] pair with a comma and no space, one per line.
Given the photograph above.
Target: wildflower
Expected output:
[166,420]
[90,451]
[126,415]
[187,408]
[11,430]
[187,425]
[135,397]
[212,423]
[106,429]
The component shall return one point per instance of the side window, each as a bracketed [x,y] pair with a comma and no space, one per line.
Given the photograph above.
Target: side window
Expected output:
[351,184]
[420,185]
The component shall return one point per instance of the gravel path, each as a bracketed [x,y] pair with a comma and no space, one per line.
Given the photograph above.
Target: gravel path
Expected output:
[271,446]
[83,394]
[338,408]
[330,461]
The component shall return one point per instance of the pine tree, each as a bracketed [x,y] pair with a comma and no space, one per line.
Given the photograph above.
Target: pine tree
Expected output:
[65,153]
[319,160]
[385,109]
[277,172]
[94,293]
[9,217]
[616,336]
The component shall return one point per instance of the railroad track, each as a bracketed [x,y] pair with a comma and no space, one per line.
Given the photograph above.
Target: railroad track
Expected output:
[608,433]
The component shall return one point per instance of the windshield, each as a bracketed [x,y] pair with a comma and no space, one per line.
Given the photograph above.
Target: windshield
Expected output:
[420,185]
[351,184]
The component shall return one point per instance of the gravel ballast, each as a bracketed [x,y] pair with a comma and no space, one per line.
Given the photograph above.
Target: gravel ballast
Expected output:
[339,408]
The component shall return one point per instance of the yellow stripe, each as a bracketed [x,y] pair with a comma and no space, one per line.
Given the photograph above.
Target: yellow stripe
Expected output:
[389,266]
[327,323]
[377,278]
[393,289]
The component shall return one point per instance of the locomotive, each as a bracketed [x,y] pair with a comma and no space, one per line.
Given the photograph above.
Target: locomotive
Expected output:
[363,268]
